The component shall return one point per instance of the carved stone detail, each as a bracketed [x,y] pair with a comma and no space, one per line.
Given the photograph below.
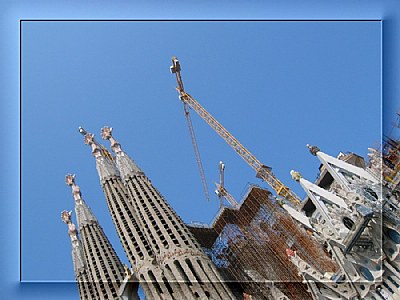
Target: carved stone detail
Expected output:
[66,216]
[295,175]
[76,191]
[106,134]
[126,166]
[78,257]
[105,166]
[83,213]
[313,149]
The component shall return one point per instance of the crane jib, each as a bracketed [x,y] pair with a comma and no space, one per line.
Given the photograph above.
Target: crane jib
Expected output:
[263,171]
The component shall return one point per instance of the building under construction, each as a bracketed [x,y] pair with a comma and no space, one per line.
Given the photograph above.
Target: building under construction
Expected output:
[251,242]
[272,255]
[341,242]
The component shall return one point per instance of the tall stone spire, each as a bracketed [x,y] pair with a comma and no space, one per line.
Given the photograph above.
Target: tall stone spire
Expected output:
[178,253]
[131,235]
[126,166]
[104,164]
[103,263]
[84,215]
[82,275]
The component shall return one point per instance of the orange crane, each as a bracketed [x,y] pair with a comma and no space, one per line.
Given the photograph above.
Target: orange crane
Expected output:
[262,171]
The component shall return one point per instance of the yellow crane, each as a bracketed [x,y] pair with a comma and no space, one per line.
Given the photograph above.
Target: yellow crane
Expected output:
[194,143]
[262,171]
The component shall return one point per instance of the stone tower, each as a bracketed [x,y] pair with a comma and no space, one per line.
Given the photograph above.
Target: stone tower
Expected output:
[82,276]
[136,246]
[185,269]
[103,264]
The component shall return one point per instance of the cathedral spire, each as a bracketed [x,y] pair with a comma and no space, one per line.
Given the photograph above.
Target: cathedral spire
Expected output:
[104,161]
[126,166]
[77,253]
[102,262]
[178,255]
[83,213]
[135,244]
[82,275]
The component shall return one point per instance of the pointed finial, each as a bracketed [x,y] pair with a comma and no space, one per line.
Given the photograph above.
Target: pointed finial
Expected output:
[89,137]
[81,130]
[66,216]
[70,181]
[295,175]
[89,140]
[313,149]
[106,134]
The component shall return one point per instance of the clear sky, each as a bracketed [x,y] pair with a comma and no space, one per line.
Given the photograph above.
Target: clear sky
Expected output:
[12,11]
[276,86]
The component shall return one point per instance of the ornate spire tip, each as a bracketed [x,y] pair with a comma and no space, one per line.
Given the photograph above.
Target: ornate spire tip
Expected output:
[81,130]
[66,216]
[295,175]
[89,137]
[70,179]
[313,149]
[106,132]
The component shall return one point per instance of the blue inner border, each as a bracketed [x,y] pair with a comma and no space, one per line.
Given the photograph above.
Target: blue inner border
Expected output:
[13,12]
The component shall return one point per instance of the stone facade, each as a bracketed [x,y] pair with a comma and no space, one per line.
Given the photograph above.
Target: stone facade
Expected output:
[349,216]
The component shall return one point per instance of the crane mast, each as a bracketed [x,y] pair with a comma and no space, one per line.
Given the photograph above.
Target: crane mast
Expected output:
[262,171]
[221,190]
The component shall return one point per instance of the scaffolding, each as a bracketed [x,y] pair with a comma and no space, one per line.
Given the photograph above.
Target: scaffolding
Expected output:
[391,162]
[252,244]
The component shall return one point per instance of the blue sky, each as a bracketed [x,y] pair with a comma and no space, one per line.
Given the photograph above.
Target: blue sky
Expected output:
[12,12]
[274,85]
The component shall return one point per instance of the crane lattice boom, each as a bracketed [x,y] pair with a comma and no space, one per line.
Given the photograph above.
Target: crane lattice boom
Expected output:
[176,69]
[263,171]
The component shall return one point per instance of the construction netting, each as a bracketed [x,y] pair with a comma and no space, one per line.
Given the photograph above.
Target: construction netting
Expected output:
[252,247]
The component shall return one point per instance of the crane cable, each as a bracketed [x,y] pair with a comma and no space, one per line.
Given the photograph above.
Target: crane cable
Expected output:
[196,150]
[263,171]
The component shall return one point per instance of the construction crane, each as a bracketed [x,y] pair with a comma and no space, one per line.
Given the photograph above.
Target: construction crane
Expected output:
[194,143]
[262,171]
[221,190]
